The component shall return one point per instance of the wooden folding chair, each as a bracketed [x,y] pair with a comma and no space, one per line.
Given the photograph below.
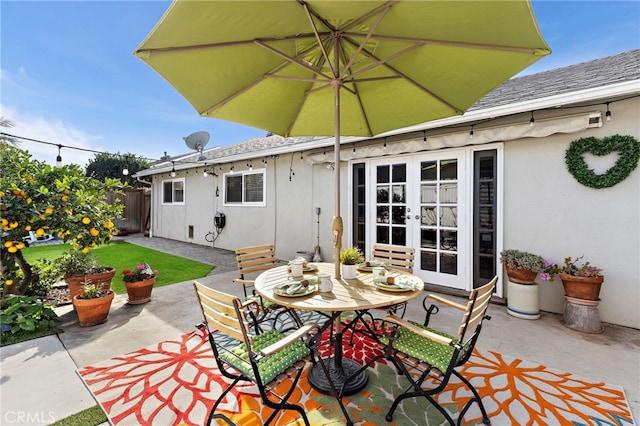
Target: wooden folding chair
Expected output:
[266,359]
[398,258]
[420,351]
[251,261]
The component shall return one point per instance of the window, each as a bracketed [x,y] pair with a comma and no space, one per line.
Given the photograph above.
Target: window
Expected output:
[245,188]
[173,191]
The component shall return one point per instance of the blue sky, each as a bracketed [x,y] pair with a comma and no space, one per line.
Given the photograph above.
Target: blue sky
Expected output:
[68,75]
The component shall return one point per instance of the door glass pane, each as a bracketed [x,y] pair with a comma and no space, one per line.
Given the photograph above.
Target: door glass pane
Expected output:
[428,261]
[449,240]
[398,215]
[449,216]
[449,263]
[382,194]
[486,242]
[429,238]
[486,192]
[428,193]
[382,174]
[382,215]
[449,193]
[486,267]
[382,234]
[398,235]
[486,168]
[486,217]
[399,195]
[428,170]
[449,170]
[399,173]
[428,216]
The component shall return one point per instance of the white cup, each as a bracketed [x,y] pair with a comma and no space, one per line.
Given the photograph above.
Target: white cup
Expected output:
[325,284]
[379,273]
[296,268]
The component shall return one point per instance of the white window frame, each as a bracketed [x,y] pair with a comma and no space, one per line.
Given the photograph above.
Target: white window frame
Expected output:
[242,174]
[173,192]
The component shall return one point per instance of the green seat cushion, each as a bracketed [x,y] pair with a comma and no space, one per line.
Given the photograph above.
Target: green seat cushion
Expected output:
[265,303]
[271,366]
[435,354]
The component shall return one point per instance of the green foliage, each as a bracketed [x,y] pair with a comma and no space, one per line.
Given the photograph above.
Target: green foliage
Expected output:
[351,256]
[49,200]
[48,273]
[627,146]
[26,313]
[521,260]
[77,263]
[93,291]
[104,166]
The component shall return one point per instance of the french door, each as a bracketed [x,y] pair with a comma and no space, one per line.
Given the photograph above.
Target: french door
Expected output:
[421,201]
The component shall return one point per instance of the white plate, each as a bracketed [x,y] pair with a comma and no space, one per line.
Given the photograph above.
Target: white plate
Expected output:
[310,289]
[364,268]
[390,287]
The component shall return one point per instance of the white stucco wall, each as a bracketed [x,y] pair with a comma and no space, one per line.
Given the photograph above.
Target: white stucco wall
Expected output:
[546,211]
[549,213]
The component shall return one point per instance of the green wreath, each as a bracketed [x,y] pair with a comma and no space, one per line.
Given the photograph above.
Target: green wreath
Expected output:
[627,146]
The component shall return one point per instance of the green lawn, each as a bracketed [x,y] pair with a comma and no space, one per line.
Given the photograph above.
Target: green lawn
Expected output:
[121,255]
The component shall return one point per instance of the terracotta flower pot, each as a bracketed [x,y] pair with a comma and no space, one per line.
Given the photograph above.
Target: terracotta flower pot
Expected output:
[521,276]
[139,292]
[587,288]
[93,311]
[75,282]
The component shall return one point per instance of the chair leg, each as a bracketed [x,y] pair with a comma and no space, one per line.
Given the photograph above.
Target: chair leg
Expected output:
[212,414]
[476,398]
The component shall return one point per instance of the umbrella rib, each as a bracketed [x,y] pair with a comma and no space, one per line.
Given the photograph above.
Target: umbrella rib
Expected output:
[382,14]
[484,46]
[291,60]
[312,22]
[355,90]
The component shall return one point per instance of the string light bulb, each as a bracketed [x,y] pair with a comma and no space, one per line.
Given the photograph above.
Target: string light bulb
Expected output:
[173,169]
[205,173]
[250,165]
[384,146]
[532,120]
[59,157]
[608,113]
[471,133]
[424,135]
[231,169]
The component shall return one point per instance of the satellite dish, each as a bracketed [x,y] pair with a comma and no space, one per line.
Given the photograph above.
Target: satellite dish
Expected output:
[197,141]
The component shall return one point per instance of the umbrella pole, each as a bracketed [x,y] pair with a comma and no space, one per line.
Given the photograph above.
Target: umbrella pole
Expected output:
[337,220]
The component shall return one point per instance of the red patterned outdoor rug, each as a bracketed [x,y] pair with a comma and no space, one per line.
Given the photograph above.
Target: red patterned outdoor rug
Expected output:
[176,382]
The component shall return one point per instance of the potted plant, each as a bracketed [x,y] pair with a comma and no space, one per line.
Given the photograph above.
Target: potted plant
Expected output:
[582,282]
[79,267]
[139,283]
[93,304]
[522,267]
[522,291]
[349,258]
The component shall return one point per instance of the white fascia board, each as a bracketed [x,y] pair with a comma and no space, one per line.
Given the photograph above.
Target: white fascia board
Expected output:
[557,101]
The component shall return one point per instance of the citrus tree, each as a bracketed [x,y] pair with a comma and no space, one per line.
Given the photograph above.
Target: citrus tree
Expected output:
[38,198]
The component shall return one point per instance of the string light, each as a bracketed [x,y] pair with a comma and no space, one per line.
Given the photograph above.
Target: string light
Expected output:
[354,148]
[59,157]
[424,135]
[231,169]
[250,165]
[532,120]
[173,169]
[384,146]
[608,113]
[471,133]
[205,173]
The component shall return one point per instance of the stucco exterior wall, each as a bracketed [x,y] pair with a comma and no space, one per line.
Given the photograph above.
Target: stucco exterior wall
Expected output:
[548,212]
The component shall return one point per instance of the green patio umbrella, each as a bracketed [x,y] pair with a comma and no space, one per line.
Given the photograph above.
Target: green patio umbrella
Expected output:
[332,68]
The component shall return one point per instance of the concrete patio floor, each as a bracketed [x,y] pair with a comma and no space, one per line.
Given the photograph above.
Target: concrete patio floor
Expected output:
[30,369]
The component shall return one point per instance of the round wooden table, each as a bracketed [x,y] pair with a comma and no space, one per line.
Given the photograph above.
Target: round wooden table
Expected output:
[359,294]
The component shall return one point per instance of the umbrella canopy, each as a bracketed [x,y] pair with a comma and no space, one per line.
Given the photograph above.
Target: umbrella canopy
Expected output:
[357,68]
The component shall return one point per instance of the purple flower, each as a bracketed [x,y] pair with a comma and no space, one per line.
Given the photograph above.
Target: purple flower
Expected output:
[544,276]
[141,267]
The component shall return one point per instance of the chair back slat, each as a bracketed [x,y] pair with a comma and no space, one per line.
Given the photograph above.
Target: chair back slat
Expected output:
[255,259]
[396,257]
[476,307]
[222,312]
